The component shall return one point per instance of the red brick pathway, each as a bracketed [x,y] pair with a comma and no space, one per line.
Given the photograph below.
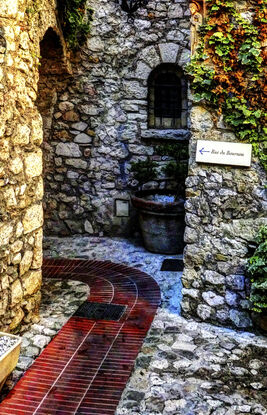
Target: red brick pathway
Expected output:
[85,368]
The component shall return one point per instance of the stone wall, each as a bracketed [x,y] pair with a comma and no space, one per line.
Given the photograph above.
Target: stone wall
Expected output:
[22,26]
[224,209]
[100,118]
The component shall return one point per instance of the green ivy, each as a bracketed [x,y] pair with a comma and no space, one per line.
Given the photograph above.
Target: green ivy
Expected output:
[75,20]
[257,270]
[223,44]
[227,71]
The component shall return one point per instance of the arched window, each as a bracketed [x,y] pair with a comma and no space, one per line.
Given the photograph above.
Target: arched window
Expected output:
[167,97]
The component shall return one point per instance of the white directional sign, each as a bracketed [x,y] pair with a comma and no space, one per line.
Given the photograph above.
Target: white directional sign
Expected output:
[220,152]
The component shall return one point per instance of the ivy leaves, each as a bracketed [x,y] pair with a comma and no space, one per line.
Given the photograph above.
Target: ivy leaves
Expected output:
[257,270]
[223,44]
[227,69]
[75,20]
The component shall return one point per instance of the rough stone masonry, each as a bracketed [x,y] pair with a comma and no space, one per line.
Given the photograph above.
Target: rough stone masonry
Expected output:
[22,26]
[99,126]
[225,207]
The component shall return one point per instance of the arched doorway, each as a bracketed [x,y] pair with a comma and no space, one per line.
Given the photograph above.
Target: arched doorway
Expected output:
[54,73]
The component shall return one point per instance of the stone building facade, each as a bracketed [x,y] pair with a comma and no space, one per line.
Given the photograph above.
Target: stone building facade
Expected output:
[100,122]
[225,207]
[93,116]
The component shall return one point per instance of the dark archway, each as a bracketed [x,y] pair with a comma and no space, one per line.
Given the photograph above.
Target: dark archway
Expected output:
[54,73]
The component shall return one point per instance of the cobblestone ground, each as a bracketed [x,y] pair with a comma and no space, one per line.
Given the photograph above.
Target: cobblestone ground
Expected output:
[60,299]
[125,252]
[184,367]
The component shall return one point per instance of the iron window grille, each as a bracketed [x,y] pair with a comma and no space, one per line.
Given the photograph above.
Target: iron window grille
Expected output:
[167,98]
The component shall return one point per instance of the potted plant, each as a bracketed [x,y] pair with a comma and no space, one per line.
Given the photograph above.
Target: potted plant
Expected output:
[161,208]
[257,271]
[9,355]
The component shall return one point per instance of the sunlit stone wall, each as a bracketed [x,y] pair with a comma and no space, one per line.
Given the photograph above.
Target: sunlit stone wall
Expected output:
[22,26]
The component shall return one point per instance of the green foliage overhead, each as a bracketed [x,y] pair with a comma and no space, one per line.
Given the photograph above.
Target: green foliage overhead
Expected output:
[75,20]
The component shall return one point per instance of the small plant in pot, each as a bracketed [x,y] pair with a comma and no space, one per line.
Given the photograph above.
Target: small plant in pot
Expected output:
[161,208]
[257,271]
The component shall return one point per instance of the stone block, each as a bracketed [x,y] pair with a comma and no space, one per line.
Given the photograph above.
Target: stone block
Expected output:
[22,135]
[16,246]
[168,52]
[193,293]
[16,292]
[39,189]
[16,165]
[201,119]
[9,8]
[213,277]
[71,116]
[68,150]
[190,235]
[77,163]
[83,138]
[6,231]
[25,263]
[142,70]
[10,197]
[4,282]
[241,319]
[175,11]
[16,259]
[183,346]
[72,175]
[184,57]
[231,298]
[65,106]
[235,282]
[134,90]
[37,130]
[33,164]
[4,150]
[19,314]
[32,282]
[212,299]
[33,218]
[150,56]
[204,311]
[95,44]
[80,126]
[88,227]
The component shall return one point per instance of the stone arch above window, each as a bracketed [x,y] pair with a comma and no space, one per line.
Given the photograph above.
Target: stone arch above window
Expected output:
[167,97]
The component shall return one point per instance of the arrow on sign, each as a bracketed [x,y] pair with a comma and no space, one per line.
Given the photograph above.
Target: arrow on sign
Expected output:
[203,151]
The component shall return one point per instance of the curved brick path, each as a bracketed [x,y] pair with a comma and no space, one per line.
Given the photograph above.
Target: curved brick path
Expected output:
[87,365]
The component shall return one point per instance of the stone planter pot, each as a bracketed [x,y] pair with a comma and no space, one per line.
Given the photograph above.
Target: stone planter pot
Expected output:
[260,321]
[9,359]
[161,220]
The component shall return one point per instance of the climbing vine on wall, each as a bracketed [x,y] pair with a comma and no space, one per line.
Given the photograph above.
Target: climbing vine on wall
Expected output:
[75,20]
[227,70]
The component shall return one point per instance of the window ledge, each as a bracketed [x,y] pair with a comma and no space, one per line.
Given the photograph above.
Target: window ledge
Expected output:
[177,135]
